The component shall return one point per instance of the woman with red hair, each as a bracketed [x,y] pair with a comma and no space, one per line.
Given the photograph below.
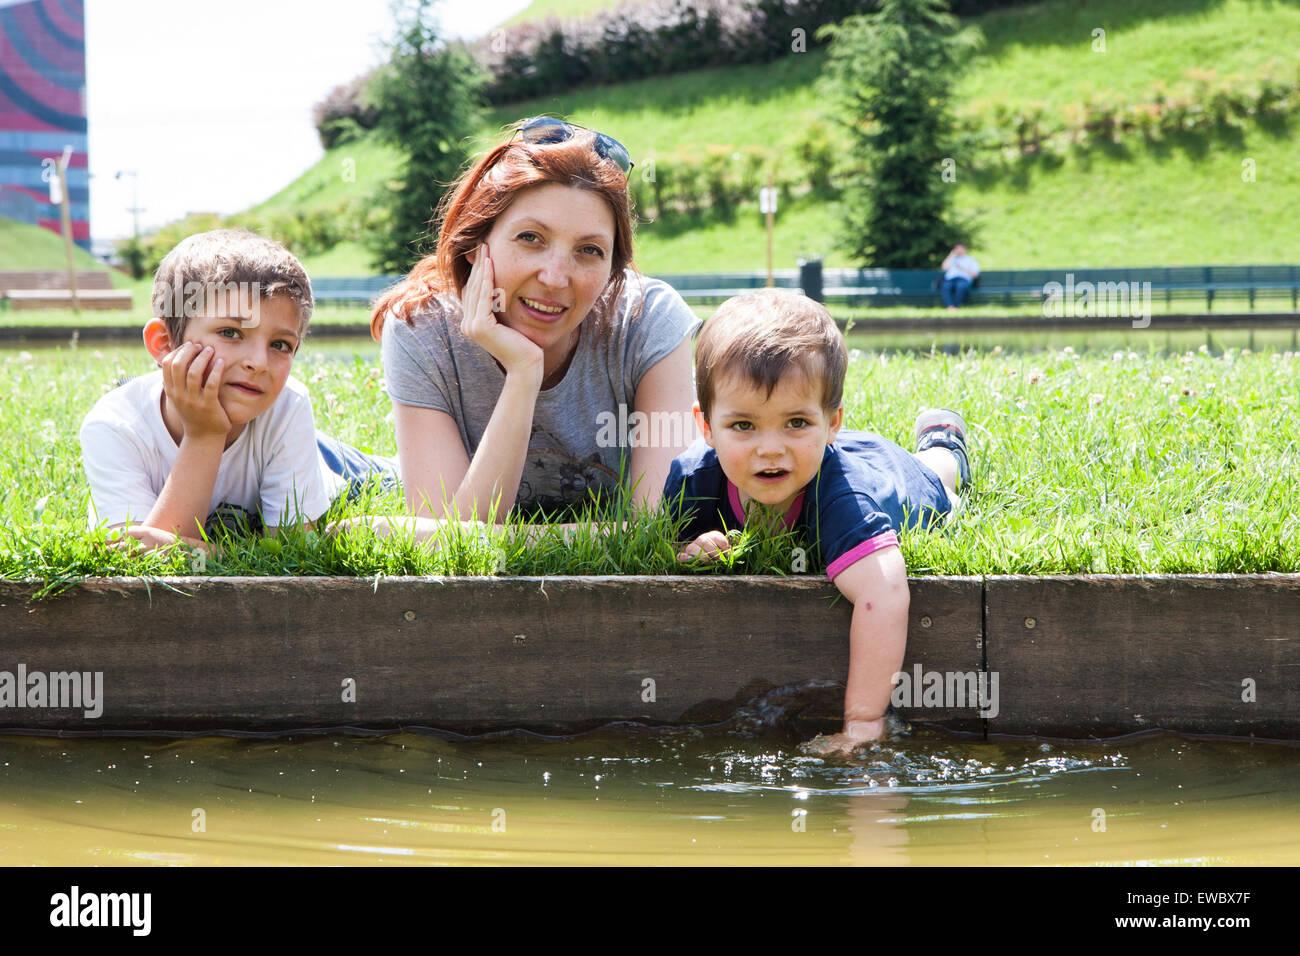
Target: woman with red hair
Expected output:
[518,352]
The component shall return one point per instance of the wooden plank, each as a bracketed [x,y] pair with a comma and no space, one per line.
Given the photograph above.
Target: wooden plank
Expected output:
[460,653]
[61,333]
[1173,322]
[101,300]
[919,326]
[1100,655]
[52,279]
[1104,655]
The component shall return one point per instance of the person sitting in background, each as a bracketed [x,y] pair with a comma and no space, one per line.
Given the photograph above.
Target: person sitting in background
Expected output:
[960,270]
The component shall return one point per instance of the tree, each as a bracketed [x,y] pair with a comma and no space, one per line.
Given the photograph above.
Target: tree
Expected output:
[892,73]
[133,255]
[427,100]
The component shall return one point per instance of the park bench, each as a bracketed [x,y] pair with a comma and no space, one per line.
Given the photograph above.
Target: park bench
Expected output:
[48,289]
[700,287]
[920,287]
[1011,287]
[357,290]
[707,287]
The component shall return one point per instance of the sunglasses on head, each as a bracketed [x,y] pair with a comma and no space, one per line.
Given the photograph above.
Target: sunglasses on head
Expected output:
[545,130]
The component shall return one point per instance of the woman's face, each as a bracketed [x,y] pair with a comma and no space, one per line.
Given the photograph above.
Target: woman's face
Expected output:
[551,252]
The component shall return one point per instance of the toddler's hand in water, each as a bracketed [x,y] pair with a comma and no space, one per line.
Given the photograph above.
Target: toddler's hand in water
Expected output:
[856,734]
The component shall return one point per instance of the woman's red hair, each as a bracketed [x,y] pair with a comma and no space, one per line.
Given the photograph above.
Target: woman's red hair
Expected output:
[484,191]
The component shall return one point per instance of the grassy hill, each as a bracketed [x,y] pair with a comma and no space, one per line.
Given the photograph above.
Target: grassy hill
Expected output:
[1182,201]
[561,9]
[31,247]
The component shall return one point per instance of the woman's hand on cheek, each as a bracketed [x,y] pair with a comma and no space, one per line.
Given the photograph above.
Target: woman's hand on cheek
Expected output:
[480,324]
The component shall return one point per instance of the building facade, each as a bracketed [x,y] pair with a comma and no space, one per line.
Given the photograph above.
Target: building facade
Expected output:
[43,110]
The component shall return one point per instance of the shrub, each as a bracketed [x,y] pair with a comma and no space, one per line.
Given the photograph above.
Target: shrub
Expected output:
[817,150]
[344,113]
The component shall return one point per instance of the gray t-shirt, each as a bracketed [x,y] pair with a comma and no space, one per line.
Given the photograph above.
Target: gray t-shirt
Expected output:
[430,364]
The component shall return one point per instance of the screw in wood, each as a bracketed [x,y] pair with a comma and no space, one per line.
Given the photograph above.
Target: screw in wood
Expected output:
[409,615]
[926,622]
[1030,623]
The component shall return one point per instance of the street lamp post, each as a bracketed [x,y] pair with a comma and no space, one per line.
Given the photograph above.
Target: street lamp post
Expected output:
[134,209]
[136,259]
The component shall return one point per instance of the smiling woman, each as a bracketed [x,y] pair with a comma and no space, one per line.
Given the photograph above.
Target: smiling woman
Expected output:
[526,330]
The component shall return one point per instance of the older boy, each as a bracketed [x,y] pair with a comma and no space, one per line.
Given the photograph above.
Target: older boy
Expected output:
[221,430]
[769,371]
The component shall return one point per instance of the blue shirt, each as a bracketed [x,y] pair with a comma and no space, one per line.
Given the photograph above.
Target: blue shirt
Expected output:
[866,491]
[966,262]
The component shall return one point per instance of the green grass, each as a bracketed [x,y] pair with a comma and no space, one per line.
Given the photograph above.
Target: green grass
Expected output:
[1043,52]
[350,172]
[686,244]
[31,247]
[1183,203]
[1132,461]
[345,259]
[542,9]
[766,105]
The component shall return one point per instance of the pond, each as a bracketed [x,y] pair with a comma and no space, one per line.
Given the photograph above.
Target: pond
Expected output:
[738,793]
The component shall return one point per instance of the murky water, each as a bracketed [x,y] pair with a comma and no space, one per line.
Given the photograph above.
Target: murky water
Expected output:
[732,794]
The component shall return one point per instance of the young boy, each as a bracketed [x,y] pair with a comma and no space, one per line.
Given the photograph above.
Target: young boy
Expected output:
[769,371]
[220,432]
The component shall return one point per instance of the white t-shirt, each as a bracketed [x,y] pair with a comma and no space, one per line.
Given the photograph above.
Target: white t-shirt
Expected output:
[966,262]
[273,466]
[572,450]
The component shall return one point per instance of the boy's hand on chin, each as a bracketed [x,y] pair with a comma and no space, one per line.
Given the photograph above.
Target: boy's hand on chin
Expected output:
[707,547]
[191,377]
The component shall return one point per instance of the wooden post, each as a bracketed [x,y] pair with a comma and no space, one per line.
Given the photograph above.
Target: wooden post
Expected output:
[61,170]
[771,213]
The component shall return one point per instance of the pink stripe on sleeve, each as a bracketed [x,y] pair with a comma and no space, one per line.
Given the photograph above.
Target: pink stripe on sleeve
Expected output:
[886,539]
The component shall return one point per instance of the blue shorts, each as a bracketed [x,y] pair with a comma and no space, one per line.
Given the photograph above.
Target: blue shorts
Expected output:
[357,468]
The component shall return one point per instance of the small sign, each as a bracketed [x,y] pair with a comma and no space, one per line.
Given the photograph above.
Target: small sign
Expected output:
[767,200]
[50,173]
[50,170]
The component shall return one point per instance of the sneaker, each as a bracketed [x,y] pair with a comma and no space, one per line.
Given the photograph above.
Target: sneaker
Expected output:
[944,428]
